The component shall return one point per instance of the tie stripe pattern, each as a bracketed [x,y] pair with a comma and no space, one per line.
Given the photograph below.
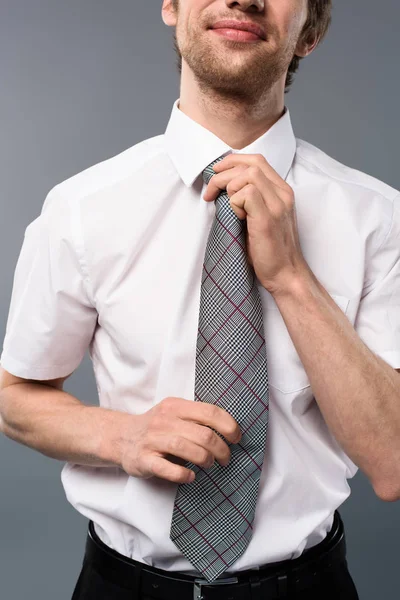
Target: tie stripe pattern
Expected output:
[212,520]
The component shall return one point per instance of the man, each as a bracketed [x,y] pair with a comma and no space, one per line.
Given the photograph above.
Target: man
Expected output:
[239,292]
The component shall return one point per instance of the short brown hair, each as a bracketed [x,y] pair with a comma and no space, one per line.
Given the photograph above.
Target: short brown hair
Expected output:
[317,24]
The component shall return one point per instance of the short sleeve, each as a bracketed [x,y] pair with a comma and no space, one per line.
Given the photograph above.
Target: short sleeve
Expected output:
[378,317]
[51,319]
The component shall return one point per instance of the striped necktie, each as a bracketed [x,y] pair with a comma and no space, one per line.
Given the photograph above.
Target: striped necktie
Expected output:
[212,521]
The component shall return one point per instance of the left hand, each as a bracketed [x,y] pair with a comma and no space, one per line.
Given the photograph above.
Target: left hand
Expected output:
[257,193]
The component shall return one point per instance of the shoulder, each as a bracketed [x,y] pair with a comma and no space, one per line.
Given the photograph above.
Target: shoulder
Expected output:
[107,173]
[316,161]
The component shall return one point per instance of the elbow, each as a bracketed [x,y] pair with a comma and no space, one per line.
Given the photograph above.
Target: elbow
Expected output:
[6,423]
[386,478]
[388,492]
[2,429]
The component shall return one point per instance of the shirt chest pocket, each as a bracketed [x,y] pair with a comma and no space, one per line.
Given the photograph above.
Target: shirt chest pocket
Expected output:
[285,369]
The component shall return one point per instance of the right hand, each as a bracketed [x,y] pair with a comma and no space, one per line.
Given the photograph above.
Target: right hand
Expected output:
[180,428]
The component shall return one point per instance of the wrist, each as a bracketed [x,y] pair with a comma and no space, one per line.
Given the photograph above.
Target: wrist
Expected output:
[299,283]
[115,429]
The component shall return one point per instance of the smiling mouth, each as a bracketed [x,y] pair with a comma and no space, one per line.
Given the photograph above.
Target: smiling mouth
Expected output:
[237,35]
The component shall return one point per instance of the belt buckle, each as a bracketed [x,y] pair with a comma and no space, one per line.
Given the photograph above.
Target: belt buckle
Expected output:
[199,583]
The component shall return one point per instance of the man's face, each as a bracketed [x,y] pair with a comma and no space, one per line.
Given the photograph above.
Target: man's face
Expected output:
[244,70]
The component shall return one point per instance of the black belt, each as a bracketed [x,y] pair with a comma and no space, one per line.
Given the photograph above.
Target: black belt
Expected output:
[271,581]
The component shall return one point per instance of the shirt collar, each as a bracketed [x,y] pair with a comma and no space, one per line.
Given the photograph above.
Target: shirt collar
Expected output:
[192,147]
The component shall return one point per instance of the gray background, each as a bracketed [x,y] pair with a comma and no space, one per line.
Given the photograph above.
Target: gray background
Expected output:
[80,82]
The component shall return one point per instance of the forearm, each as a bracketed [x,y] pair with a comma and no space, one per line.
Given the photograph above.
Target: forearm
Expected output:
[60,426]
[357,392]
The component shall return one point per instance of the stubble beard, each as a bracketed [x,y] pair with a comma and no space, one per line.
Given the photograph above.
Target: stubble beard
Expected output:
[242,73]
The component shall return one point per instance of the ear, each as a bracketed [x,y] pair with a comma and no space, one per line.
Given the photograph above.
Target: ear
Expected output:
[168,13]
[305,47]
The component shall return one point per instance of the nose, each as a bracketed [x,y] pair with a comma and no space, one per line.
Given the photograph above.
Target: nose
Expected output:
[258,5]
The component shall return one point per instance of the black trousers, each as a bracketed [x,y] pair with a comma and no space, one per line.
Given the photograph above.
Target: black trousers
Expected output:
[320,573]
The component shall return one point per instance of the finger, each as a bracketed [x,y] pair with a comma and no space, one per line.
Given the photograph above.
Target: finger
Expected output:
[267,191]
[219,419]
[161,467]
[208,414]
[233,160]
[181,447]
[219,182]
[248,201]
[205,437]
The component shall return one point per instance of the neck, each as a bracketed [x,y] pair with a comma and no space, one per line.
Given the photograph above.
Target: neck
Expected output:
[236,121]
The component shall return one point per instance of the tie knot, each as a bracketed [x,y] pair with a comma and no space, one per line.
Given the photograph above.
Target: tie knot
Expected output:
[208,171]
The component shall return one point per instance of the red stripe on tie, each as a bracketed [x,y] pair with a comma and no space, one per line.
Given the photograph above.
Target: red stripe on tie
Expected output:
[217,505]
[202,536]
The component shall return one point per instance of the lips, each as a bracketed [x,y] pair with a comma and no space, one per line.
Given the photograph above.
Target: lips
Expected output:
[242,25]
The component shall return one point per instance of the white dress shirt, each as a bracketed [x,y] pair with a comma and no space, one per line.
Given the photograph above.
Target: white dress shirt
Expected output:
[113,264]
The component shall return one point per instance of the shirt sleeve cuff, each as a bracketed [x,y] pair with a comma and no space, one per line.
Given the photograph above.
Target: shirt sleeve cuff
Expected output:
[19,369]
